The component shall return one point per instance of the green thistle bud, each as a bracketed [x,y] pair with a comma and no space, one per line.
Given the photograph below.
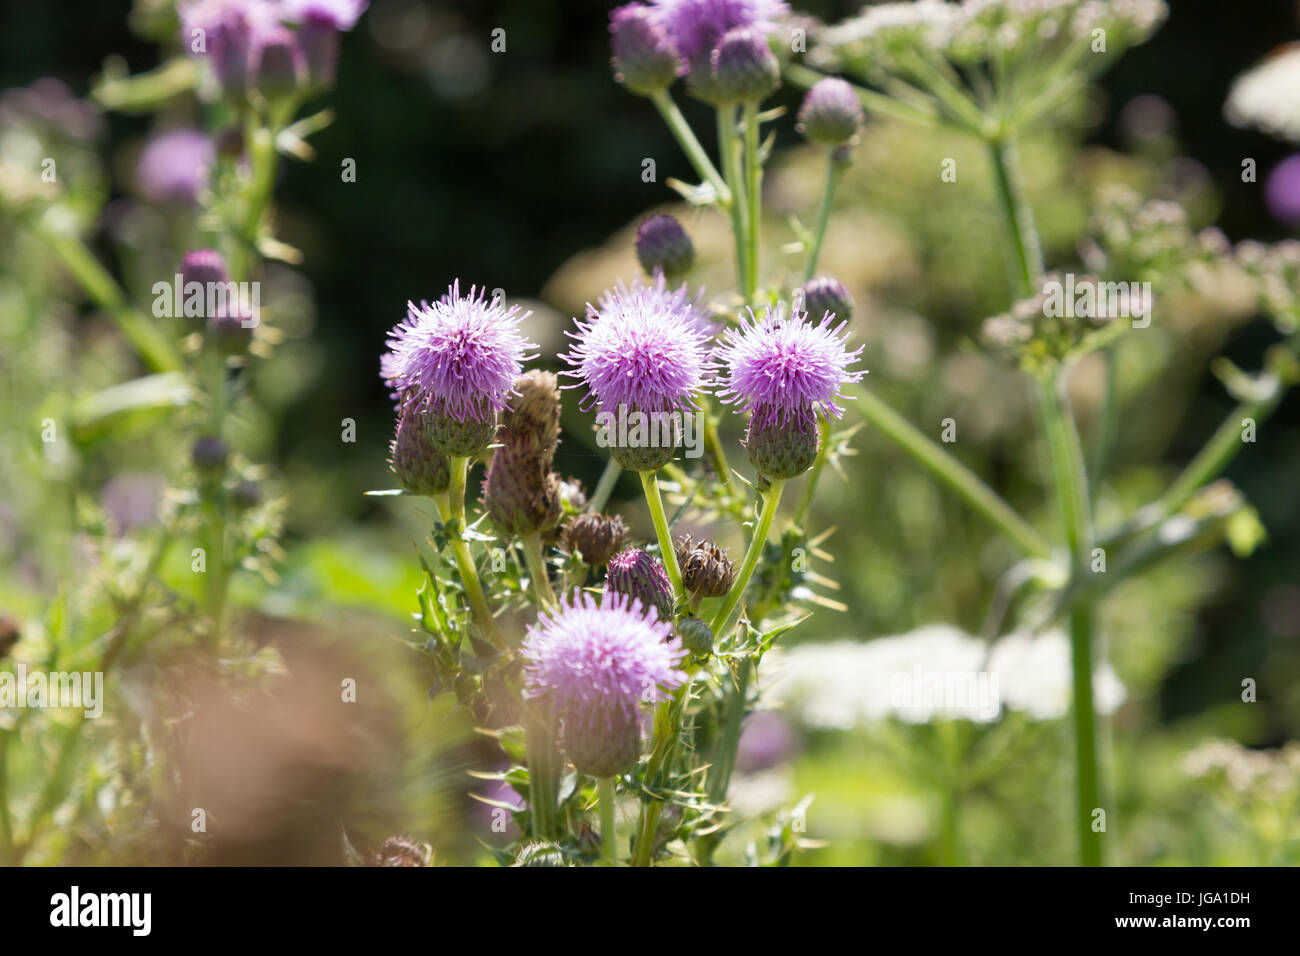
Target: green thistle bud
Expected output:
[532,419]
[456,437]
[744,67]
[663,245]
[417,466]
[596,537]
[540,854]
[520,492]
[784,450]
[230,334]
[697,637]
[706,569]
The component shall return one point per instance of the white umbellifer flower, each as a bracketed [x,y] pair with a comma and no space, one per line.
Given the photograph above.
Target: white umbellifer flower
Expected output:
[926,22]
[932,673]
[1034,676]
[1268,96]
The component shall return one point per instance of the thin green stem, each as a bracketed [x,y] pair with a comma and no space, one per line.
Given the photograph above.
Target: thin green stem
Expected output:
[724,761]
[668,553]
[730,149]
[834,171]
[685,136]
[754,212]
[150,343]
[464,560]
[605,486]
[536,561]
[951,472]
[608,842]
[722,621]
[1027,255]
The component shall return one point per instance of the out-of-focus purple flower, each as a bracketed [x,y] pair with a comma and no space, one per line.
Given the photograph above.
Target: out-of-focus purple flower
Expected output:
[597,662]
[639,575]
[766,740]
[203,266]
[640,347]
[831,112]
[696,26]
[278,66]
[131,501]
[223,32]
[49,100]
[173,167]
[743,67]
[645,59]
[498,791]
[458,357]
[340,14]
[1282,192]
[777,368]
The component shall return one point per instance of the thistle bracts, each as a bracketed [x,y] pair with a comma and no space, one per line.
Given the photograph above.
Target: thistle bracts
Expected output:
[521,492]
[639,575]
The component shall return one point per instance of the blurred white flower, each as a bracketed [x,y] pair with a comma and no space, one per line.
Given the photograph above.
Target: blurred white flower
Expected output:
[1268,96]
[933,672]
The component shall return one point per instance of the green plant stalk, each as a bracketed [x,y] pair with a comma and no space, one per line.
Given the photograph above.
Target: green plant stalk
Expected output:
[730,150]
[686,138]
[667,731]
[834,172]
[608,841]
[543,759]
[723,620]
[1105,438]
[1071,488]
[724,763]
[713,444]
[536,562]
[464,560]
[604,487]
[150,343]
[215,506]
[754,200]
[650,484]
[951,472]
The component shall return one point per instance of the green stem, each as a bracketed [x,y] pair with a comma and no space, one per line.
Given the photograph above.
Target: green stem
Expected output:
[951,472]
[729,147]
[667,730]
[754,186]
[536,561]
[608,842]
[724,762]
[150,343]
[722,621]
[834,170]
[215,505]
[464,560]
[1027,258]
[685,136]
[544,763]
[668,553]
[605,486]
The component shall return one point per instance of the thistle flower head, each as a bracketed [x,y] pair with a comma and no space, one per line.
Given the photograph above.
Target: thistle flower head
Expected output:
[173,167]
[831,113]
[417,465]
[706,569]
[645,59]
[639,575]
[696,26]
[595,536]
[457,357]
[743,67]
[778,368]
[641,347]
[662,245]
[596,661]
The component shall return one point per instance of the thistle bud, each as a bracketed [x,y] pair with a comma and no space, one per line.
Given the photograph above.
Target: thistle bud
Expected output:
[662,244]
[831,113]
[203,266]
[697,637]
[639,574]
[418,467]
[401,851]
[596,538]
[319,38]
[531,422]
[209,453]
[540,854]
[230,52]
[601,742]
[783,450]
[520,492]
[706,569]
[246,494]
[823,295]
[279,69]
[744,68]
[572,496]
[230,333]
[645,59]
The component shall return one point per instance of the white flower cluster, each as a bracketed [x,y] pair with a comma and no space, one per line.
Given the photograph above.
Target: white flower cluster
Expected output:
[931,673]
[1268,96]
[1246,771]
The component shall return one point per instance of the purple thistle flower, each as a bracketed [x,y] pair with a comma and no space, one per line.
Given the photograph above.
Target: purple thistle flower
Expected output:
[458,357]
[657,292]
[778,368]
[696,26]
[203,266]
[597,661]
[644,56]
[638,574]
[340,14]
[173,167]
[640,347]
